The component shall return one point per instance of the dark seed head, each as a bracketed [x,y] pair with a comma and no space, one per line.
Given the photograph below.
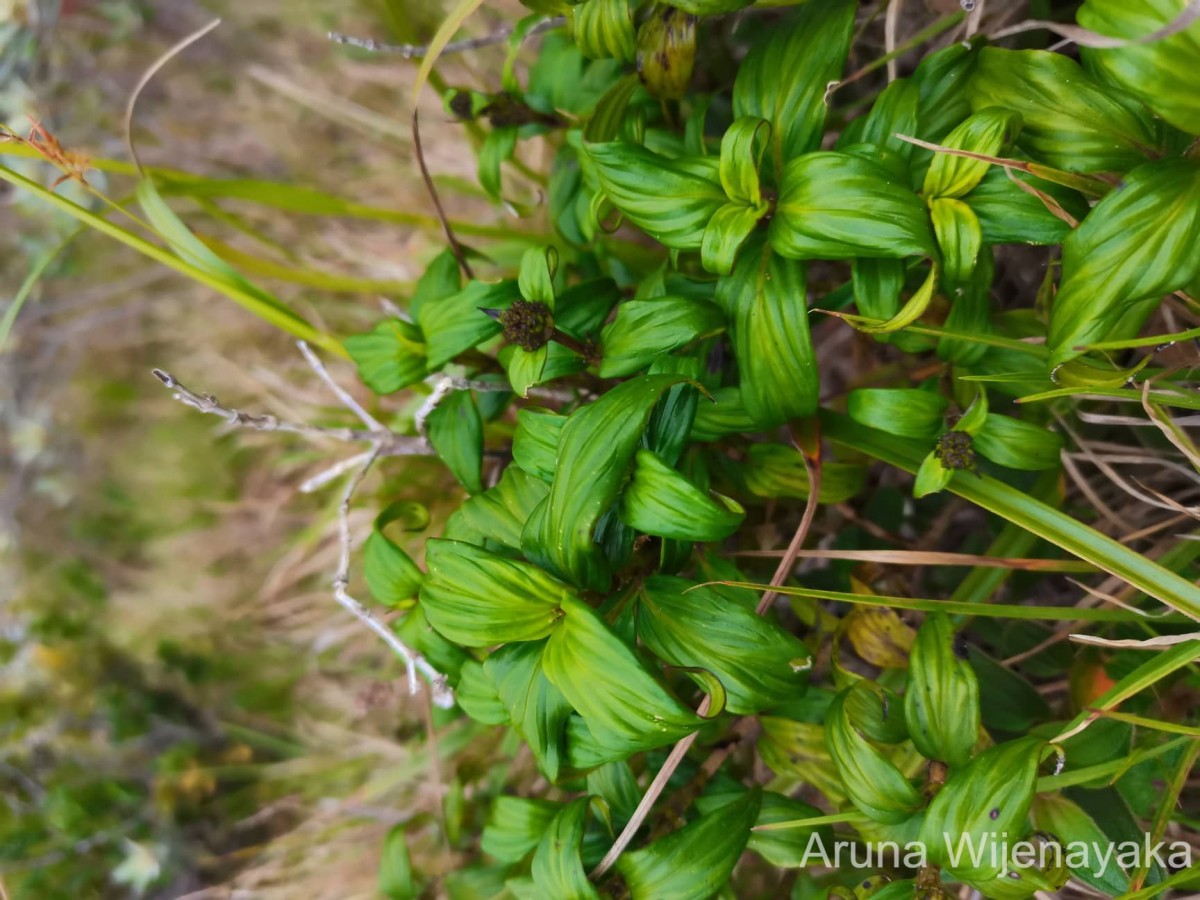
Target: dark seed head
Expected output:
[994,814]
[528,324]
[956,450]
[960,647]
[460,105]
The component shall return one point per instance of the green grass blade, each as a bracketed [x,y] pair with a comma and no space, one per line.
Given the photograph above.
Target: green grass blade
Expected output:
[252,301]
[1034,516]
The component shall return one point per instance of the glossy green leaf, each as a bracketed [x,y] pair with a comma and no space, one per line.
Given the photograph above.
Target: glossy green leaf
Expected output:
[660,500]
[476,694]
[931,477]
[455,324]
[390,573]
[711,7]
[1160,73]
[840,206]
[725,234]
[777,471]
[741,154]
[912,310]
[497,149]
[765,300]
[940,79]
[476,598]
[535,442]
[872,782]
[495,518]
[905,411]
[455,430]
[784,78]
[1070,121]
[537,708]
[389,357]
[527,368]
[980,804]
[894,112]
[672,200]
[595,449]
[604,28]
[646,329]
[694,862]
[1010,215]
[798,750]
[395,867]
[557,866]
[941,702]
[516,826]
[536,277]
[625,707]
[722,415]
[442,278]
[1138,243]
[1059,816]
[959,237]
[987,132]
[758,663]
[1018,445]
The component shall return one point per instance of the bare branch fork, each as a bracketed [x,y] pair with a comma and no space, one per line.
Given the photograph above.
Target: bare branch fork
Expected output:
[383,442]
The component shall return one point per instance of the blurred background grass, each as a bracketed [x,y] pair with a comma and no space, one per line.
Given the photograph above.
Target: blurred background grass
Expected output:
[183,709]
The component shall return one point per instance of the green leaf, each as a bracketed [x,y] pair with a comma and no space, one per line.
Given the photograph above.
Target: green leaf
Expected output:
[389,357]
[455,324]
[725,234]
[672,200]
[1009,215]
[776,471]
[909,412]
[1018,445]
[1008,702]
[959,237]
[456,432]
[390,573]
[932,477]
[723,415]
[787,848]
[840,206]
[476,598]
[1138,243]
[526,369]
[515,826]
[988,801]
[1064,819]
[557,866]
[625,708]
[537,709]
[711,7]
[783,79]
[764,299]
[758,663]
[987,132]
[476,694]
[495,518]
[498,148]
[535,442]
[597,444]
[536,277]
[1159,72]
[661,501]
[941,703]
[798,750]
[894,112]
[1070,121]
[694,862]
[872,782]
[442,278]
[395,866]
[741,154]
[604,29]
[940,78]
[646,329]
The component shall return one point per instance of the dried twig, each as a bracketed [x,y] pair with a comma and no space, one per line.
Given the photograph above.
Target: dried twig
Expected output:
[419,51]
[388,442]
[340,392]
[439,689]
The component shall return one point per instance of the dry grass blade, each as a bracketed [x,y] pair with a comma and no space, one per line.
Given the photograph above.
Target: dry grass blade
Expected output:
[932,558]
